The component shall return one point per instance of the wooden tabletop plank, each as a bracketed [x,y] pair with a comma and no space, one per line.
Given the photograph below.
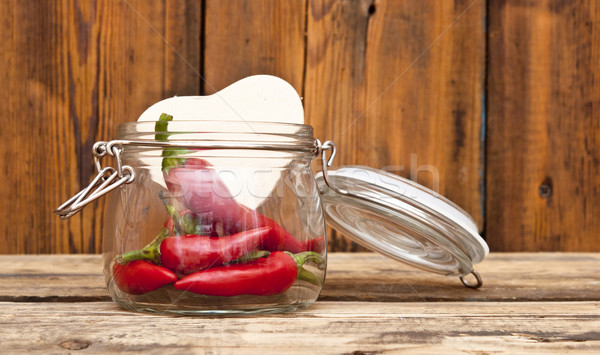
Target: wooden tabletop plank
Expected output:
[350,277]
[506,277]
[325,328]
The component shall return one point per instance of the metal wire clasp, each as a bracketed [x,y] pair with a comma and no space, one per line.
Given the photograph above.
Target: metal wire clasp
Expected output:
[108,179]
[478,281]
[322,150]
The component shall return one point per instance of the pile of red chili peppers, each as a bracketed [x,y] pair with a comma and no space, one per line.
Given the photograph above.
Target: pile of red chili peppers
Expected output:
[256,256]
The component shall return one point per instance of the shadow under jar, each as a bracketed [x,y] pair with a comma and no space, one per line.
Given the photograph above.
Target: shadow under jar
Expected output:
[219,218]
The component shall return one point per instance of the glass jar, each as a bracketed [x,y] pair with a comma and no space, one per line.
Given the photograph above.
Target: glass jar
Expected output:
[213,217]
[220,217]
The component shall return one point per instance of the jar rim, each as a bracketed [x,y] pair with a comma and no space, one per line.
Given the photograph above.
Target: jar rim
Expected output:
[219,134]
[218,126]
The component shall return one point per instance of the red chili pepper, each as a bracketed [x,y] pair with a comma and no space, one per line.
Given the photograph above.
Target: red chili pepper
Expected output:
[141,276]
[202,191]
[266,276]
[316,244]
[190,253]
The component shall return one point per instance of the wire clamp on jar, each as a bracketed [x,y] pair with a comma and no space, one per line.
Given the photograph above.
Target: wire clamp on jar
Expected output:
[327,163]
[107,180]
[479,281]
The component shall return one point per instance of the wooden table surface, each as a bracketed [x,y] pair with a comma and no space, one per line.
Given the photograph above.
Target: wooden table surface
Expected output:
[530,302]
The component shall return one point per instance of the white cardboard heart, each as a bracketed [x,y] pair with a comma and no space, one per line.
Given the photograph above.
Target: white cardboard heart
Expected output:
[259,98]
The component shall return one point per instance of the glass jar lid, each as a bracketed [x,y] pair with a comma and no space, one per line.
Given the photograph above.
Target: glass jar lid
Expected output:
[400,219]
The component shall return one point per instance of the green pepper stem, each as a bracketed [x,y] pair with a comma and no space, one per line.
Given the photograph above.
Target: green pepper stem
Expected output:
[158,239]
[171,211]
[170,155]
[307,257]
[251,256]
[150,252]
[301,259]
[161,127]
[140,254]
[182,223]
[308,276]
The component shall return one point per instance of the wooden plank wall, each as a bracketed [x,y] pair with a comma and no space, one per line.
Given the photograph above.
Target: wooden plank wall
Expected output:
[399,85]
[543,174]
[384,99]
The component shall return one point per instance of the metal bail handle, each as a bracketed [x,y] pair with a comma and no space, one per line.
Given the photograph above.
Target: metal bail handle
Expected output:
[106,181]
[322,150]
[327,163]
[479,281]
[109,178]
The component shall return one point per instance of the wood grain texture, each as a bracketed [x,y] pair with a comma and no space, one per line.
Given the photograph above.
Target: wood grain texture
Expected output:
[364,277]
[74,71]
[249,37]
[183,23]
[34,106]
[398,86]
[544,126]
[326,328]
[52,278]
